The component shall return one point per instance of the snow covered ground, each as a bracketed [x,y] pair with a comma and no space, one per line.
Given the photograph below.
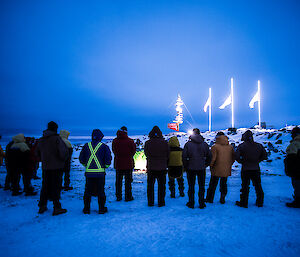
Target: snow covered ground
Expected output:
[134,229]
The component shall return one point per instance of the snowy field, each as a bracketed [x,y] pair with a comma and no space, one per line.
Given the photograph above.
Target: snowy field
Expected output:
[134,229]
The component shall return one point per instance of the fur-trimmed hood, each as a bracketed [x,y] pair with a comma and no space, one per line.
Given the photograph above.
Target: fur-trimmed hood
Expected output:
[19,143]
[64,134]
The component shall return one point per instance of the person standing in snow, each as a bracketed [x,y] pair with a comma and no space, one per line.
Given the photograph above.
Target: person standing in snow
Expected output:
[64,134]
[250,154]
[95,157]
[19,156]
[124,149]
[53,152]
[292,166]
[157,153]
[220,167]
[196,156]
[175,167]
[8,165]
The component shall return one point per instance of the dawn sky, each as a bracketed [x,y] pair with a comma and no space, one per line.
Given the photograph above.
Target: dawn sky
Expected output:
[105,64]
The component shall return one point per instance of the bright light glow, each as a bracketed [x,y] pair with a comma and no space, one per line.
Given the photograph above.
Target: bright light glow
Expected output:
[140,160]
[190,132]
[179,116]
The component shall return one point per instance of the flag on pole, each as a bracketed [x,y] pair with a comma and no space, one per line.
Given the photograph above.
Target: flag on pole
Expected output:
[254,100]
[174,126]
[208,103]
[227,102]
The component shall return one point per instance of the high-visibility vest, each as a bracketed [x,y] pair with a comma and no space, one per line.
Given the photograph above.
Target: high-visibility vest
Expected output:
[93,157]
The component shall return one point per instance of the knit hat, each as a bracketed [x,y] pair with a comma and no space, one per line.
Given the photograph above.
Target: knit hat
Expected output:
[52,126]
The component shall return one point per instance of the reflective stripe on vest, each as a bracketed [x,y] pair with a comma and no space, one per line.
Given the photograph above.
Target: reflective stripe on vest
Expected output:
[93,157]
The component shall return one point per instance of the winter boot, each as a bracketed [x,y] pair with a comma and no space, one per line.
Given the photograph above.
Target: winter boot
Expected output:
[294,204]
[202,205]
[30,191]
[42,209]
[57,209]
[190,205]
[241,204]
[259,203]
[210,196]
[222,199]
[243,198]
[128,199]
[87,205]
[101,202]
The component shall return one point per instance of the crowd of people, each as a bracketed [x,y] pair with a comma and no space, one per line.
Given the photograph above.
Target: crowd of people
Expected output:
[54,151]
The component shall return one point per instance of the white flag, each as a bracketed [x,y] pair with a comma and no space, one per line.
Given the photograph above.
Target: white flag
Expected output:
[208,103]
[227,102]
[254,100]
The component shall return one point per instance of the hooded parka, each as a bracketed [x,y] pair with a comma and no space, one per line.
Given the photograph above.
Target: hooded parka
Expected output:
[222,157]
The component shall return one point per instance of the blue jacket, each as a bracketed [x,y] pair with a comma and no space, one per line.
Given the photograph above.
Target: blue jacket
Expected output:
[103,154]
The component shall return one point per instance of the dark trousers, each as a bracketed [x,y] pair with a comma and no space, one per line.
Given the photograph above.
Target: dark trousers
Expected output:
[161,181]
[8,178]
[191,177]
[66,172]
[254,176]
[15,179]
[51,187]
[94,186]
[213,185]
[180,182]
[296,186]
[119,181]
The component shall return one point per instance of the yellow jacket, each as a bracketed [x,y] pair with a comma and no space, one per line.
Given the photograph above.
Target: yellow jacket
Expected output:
[175,157]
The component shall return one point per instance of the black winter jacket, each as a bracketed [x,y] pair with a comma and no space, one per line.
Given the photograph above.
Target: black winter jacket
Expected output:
[52,151]
[250,154]
[196,154]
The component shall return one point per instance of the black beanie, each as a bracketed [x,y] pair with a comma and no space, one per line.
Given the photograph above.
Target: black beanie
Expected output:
[52,126]
[124,129]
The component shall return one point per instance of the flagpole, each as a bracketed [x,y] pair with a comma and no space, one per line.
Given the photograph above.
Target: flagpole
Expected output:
[209,126]
[259,118]
[232,106]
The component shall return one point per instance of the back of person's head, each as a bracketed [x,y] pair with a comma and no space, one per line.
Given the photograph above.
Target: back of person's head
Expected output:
[247,136]
[295,132]
[155,132]
[52,126]
[97,135]
[220,133]
[123,129]
[196,131]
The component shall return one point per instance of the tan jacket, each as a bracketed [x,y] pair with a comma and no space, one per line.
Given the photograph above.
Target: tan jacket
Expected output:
[222,157]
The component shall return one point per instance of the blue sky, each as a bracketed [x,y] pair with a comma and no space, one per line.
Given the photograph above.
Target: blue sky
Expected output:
[111,63]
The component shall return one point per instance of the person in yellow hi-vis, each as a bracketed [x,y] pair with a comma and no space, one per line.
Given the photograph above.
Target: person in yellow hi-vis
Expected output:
[96,157]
